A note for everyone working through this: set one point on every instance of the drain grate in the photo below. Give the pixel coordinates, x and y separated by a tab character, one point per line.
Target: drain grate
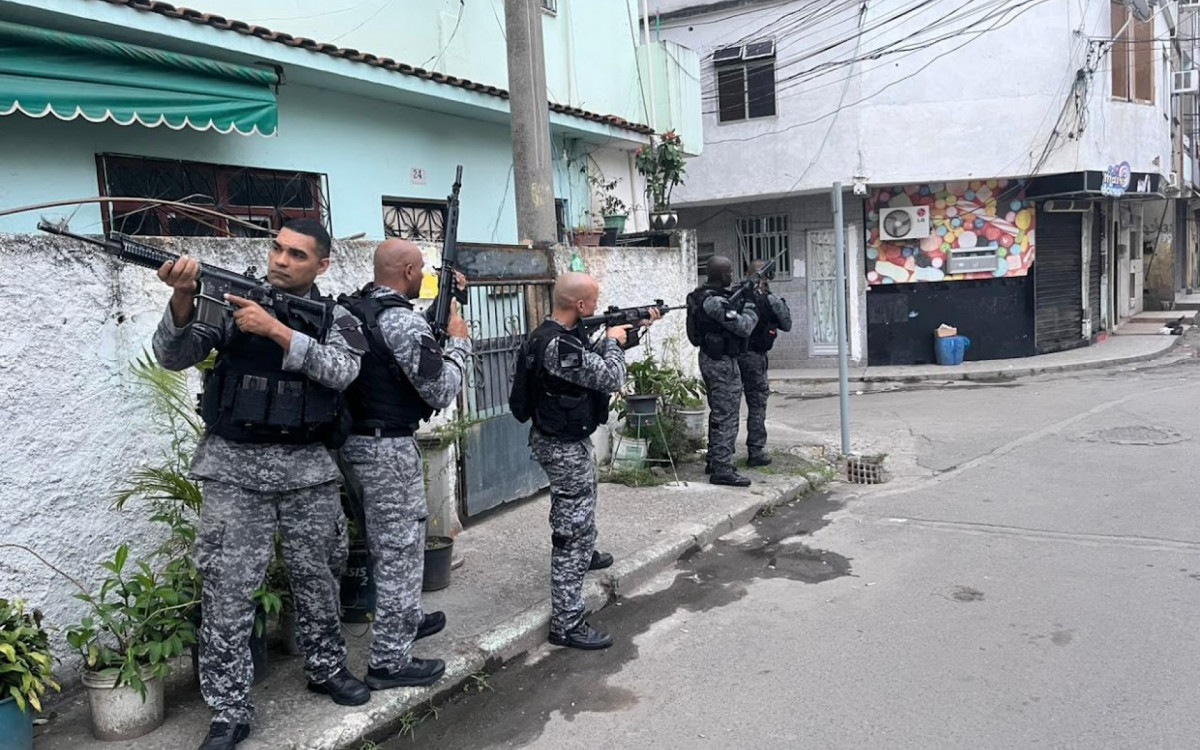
865	469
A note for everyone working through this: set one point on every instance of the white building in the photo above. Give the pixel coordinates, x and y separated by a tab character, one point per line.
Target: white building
975	123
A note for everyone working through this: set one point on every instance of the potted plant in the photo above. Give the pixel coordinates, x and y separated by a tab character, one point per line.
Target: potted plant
661	164
135	625
612	208
586	235
26	672
630	446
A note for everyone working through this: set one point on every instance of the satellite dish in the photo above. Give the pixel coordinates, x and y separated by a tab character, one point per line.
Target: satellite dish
1140	8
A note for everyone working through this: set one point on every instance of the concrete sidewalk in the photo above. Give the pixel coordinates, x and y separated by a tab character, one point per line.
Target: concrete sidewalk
497	605
1116	350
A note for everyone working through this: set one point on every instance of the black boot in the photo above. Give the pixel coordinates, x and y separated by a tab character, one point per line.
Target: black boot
419	673
224	736
730	478
344	688
758	459
600	560
431	624
584	637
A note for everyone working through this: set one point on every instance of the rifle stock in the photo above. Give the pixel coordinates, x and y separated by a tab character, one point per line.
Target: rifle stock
215	282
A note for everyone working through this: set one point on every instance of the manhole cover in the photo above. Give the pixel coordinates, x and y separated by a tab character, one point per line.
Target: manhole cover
1136	435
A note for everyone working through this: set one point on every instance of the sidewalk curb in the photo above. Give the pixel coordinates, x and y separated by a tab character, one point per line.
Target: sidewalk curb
1008	372
526	630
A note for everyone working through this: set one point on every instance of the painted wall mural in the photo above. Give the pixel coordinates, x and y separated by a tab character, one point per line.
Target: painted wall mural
951	231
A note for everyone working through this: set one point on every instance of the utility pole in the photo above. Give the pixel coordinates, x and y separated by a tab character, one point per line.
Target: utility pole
530	116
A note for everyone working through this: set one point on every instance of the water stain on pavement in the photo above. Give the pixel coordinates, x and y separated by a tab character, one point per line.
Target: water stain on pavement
568	682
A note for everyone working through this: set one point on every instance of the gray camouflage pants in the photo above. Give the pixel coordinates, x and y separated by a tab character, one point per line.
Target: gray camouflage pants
753	368
393	480
723	382
572	473
236	539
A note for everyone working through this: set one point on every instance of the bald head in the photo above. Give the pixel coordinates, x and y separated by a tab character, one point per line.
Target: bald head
574	296
399	265
720	271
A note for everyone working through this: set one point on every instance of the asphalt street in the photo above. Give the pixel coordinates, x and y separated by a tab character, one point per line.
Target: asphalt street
1029	577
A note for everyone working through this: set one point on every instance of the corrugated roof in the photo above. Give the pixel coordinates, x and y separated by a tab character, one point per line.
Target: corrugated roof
366	58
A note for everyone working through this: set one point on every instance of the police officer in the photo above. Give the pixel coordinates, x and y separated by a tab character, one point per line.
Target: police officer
773	316
405	376
722	331
270	405
571	383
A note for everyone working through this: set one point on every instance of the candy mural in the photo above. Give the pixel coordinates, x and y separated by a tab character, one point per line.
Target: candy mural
973	215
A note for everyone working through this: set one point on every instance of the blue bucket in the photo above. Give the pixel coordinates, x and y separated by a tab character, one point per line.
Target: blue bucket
950	350
16	726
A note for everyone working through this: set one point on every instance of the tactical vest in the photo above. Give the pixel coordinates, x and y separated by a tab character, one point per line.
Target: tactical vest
562	409
249	398
715	340
762	338
382	400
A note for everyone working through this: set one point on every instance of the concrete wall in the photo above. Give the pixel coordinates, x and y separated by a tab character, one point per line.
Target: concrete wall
76	421
952	108
632	276
718	226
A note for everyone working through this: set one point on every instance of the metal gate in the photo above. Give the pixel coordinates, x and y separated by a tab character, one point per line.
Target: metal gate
496	466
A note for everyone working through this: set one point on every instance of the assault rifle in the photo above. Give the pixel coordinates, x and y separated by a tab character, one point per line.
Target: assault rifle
753	280
620	316
214	282
439	313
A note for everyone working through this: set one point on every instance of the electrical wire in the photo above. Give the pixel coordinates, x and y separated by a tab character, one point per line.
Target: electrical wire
462	6
1000	22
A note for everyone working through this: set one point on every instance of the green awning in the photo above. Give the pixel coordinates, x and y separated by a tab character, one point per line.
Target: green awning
45	72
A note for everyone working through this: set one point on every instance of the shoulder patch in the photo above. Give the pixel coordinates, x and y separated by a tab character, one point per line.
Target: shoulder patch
431	362
570	354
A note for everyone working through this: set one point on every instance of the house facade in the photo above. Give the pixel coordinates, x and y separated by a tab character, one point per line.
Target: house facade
1010	170
369	123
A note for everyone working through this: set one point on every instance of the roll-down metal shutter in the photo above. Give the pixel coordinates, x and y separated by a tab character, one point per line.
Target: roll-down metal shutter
1058	281
1096	267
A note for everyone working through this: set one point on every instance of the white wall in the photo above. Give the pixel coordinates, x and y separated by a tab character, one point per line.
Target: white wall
636	276
966	106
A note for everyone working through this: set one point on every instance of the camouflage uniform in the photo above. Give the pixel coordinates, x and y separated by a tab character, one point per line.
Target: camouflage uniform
250	490
392	475
723	383
753	367
571	467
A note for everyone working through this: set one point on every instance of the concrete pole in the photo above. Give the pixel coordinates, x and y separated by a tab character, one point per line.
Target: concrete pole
839	245
651	57
530	116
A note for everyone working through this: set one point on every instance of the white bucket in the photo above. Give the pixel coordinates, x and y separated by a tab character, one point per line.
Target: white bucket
629	453
120	713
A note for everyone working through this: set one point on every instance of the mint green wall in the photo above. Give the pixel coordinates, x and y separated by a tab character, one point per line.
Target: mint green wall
589	48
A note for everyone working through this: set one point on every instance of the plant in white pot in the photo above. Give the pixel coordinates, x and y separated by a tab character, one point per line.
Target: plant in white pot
661	163
26	672
136	623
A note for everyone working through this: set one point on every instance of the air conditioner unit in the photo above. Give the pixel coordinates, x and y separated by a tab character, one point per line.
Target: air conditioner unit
904	223
1186	82
1063	207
